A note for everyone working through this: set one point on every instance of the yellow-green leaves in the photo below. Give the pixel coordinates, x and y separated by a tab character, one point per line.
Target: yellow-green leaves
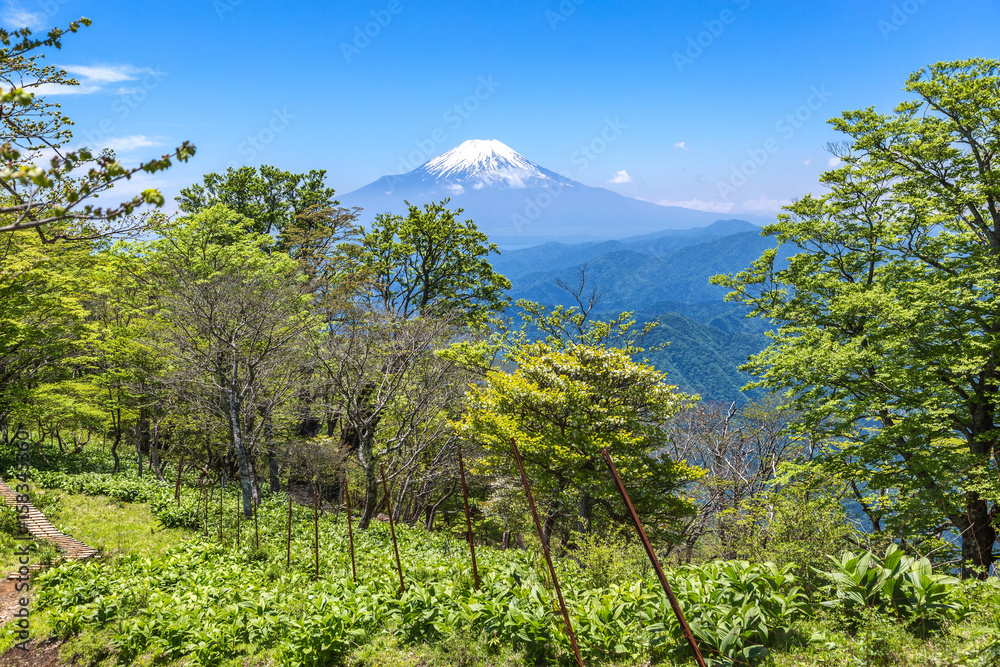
563	405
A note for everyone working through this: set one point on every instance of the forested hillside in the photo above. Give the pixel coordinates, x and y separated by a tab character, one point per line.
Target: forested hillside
663	278
277	436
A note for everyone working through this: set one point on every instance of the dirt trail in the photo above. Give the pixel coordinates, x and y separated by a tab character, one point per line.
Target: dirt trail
38	655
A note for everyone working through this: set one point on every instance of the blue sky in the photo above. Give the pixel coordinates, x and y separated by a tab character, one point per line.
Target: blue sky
721	105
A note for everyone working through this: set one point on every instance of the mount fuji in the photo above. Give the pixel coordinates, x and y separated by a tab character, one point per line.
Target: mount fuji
519	203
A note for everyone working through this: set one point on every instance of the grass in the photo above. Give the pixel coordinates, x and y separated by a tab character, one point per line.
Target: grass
882	642
113	527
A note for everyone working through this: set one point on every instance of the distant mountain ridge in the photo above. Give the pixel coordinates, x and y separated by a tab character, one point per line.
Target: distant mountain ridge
634	274
662	277
518	202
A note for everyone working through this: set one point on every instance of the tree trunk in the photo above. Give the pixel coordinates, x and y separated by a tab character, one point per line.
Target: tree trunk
550	522
978	537
141	437
236	430
177	487
585	518
114	449
154	452
976	522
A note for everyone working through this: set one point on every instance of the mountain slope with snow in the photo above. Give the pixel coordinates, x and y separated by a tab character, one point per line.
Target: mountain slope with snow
518	202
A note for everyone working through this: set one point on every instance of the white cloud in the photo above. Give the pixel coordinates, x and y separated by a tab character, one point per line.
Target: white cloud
130	143
834	161
621	177
699	205
681	145
56	89
808	160
14	16
93	78
764	204
105	73
454	189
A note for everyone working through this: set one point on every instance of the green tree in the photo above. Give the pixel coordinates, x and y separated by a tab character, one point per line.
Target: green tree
232	320
393	397
431	262
272	200
562	405
889	315
43	317
126	365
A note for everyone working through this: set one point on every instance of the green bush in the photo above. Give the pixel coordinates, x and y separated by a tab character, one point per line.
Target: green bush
897	585
607	559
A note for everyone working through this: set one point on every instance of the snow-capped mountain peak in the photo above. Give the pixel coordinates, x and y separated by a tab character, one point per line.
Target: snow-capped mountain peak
509	196
482	162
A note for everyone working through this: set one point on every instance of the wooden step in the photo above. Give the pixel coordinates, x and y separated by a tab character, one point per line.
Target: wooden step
40	527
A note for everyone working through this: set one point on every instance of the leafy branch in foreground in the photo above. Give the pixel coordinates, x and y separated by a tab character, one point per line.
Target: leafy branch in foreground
33	194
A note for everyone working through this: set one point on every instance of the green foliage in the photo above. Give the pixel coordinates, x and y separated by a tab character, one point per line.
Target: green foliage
207	603
793	524
608	558
897	584
9	524
270	200
431	263
739	611
43	327
562	405
888	314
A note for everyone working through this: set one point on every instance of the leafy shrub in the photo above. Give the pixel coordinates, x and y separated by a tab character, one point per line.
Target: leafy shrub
897	585
797	523
740	611
9	524
608	559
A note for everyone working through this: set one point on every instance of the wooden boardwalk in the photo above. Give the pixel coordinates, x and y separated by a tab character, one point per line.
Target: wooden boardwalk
41	529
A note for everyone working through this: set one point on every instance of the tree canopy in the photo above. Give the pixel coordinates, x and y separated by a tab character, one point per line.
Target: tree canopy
889	315
562	406
431	262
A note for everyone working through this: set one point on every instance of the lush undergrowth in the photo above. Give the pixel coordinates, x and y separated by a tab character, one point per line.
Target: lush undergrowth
201	602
